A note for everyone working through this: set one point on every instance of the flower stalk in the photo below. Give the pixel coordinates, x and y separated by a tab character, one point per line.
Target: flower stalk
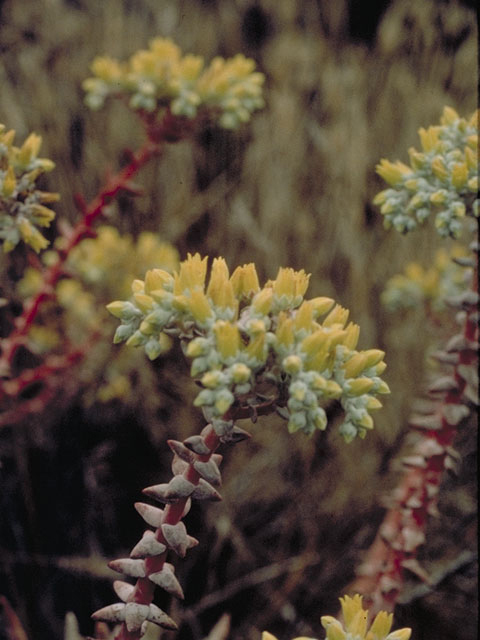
91	212
196	476
394	550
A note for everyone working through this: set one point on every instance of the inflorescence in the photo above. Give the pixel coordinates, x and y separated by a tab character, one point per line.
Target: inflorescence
249	343
432	285
22	204
160	78
442	178
355	626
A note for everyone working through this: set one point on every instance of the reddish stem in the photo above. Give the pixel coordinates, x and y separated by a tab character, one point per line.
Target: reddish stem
395	547
91	212
144	588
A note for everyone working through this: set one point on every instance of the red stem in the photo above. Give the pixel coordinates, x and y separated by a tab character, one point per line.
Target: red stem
381	577
83	229
144	588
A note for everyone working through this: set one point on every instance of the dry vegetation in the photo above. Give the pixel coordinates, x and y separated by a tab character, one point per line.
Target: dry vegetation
293	188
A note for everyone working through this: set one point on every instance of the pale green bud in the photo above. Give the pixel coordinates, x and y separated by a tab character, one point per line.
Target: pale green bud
292	364
212	379
359	386
197	347
223	401
348	431
240	372
137	339
297	421
206	397
122	333
153	348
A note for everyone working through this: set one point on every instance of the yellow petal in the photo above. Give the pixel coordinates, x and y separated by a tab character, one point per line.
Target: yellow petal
262	302
338	315
400	634
353	333
9	183
356	364
156	279
358	626
199	306
359	386
284	332
392	172
381	625
333	627
227	337
459	175
350	608
192	274
245	281
429	138
449	116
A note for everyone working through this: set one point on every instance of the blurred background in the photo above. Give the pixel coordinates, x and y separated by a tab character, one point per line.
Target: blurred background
347	83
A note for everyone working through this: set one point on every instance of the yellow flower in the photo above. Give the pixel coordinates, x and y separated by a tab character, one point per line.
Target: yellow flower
353	333
276	338
449	116
471	157
304	316
284	333
245	281
355	623
9	183
29	150
256	348
362	360
318	348
192	274
161	76
321	305
268	636
199	306
262	301
156	279
337	316
429	138
22	204
227	338
143	302
459	175
42	215
392	172
31	235
439	168
290	283
417	159
220	289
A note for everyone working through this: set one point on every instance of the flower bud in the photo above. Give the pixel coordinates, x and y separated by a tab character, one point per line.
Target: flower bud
292	364
359	386
240	372
157	279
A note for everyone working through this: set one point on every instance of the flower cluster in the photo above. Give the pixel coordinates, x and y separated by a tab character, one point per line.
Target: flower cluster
249	343
355	625
100	268
161	77
443	177
433	285
108	261
22	204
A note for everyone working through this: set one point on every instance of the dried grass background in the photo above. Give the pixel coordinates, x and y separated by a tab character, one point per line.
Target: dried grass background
347	83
